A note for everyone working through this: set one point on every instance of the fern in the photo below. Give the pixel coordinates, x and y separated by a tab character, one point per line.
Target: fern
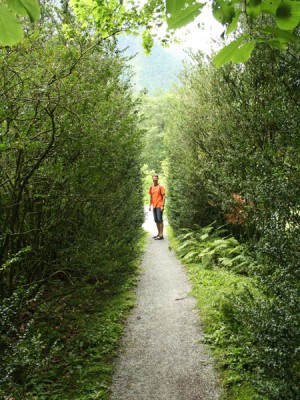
211	247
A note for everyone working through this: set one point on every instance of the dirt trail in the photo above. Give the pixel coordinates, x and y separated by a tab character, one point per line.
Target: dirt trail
161	357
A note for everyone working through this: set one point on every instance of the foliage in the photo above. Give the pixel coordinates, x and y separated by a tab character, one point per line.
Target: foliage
28	353
253	333
180	13
208	247
113	17
11	31
233	154
286	16
63	341
270	326
153	122
68	139
154	111
129	16
70	193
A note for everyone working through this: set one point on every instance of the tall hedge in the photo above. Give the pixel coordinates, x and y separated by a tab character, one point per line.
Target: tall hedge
70	195
233	147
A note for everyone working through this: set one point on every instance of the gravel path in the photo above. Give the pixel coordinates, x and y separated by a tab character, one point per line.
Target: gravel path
161	357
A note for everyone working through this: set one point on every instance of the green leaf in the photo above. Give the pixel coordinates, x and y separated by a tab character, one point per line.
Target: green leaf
277	44
288	14
243	53
147	41
232	26
253	8
269	7
26	8
226	53
223	11
280	34
11	31
235	52
182	12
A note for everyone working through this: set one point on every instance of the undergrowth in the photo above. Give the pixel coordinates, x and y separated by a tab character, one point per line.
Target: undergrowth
218	267
63	340
211	246
250	318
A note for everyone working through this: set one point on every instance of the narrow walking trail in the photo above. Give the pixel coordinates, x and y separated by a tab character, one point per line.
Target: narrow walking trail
161	357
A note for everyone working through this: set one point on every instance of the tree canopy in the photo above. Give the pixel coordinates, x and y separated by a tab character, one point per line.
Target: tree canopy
130	16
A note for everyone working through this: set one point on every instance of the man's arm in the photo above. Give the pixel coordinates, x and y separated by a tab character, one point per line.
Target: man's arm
149	191
164	199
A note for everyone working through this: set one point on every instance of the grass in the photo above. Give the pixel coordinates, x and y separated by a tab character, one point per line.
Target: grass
212	287
79	327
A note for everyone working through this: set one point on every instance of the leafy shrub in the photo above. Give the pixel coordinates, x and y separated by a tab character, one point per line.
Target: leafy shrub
233	148
22	347
209	246
258	332
71	185
270	328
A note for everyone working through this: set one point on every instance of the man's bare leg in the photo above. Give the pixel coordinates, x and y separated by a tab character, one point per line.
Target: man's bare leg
161	229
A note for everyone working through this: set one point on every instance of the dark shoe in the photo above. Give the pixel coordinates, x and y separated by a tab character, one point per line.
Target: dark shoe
159	238
154	237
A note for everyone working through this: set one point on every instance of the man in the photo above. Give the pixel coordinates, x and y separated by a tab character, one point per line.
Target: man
157	200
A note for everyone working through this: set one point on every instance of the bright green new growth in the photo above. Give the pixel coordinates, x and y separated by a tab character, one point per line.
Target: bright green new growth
181	12
11	31
210	247
285	14
113	17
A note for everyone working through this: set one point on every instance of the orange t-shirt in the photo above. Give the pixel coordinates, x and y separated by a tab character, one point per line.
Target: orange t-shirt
157	192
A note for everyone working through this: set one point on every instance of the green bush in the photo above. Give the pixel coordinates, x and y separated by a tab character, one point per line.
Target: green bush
71	194
233	158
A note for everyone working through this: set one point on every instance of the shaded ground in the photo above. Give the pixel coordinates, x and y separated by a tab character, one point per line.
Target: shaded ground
161	357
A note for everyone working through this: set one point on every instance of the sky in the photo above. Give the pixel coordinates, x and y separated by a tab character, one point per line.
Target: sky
204	38
147	71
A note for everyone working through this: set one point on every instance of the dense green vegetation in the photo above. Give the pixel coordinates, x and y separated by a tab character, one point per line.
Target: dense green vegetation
71	205
154	111
64	340
214	264
233	150
111	18
73	140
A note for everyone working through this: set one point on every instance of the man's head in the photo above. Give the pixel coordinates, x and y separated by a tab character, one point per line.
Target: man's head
155	178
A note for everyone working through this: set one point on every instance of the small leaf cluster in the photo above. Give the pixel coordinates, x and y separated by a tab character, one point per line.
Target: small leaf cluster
11	31
231	13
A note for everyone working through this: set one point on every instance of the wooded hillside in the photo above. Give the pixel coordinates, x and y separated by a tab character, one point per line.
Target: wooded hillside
155	72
